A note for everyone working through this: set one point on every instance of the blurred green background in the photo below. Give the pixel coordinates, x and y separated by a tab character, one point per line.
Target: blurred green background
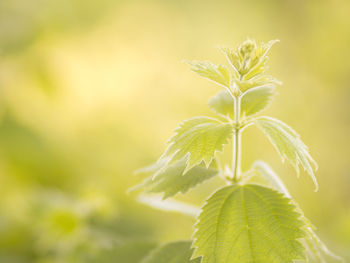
91	90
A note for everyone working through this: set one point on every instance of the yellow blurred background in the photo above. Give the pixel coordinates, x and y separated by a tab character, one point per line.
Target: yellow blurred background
91	90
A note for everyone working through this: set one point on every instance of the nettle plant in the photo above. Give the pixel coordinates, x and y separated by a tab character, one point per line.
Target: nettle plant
241	222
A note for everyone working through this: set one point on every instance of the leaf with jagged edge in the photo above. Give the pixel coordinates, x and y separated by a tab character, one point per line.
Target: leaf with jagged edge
217	73
248	223
316	250
288	144
174	252
198	139
257	99
172	179
253	101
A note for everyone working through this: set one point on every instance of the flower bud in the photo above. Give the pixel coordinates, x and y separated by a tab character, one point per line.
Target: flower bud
247	49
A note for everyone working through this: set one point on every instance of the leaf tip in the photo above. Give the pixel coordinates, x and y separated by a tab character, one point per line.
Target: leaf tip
316	186
132	189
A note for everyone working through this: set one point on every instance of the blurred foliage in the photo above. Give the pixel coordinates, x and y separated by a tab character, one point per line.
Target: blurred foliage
91	90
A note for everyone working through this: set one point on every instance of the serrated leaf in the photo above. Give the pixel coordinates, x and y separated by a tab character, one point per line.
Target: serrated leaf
172	179
253	101
248	223
316	250
256	99
175	252
217	73
288	144
198	139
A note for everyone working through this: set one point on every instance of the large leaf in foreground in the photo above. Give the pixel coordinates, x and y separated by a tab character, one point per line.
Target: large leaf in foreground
316	250
288	144
248	223
172	179
198	139
175	252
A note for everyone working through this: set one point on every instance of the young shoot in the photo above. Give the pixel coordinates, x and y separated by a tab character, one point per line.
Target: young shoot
242	221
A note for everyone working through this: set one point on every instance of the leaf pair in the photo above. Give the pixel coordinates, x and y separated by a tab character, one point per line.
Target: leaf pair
191	151
252	102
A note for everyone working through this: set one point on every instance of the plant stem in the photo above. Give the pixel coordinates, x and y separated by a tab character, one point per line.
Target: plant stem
236	155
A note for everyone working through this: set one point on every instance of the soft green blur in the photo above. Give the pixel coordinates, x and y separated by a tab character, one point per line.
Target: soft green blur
91	90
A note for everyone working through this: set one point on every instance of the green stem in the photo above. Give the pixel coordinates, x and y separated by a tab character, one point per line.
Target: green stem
236	156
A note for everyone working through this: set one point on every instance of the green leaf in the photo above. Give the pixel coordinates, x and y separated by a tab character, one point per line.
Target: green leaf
253	101
258	60
233	60
217	73
288	144
222	104
172	179
249	60
316	250
248	223
175	252
258	81
256	99
198	139
249	64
